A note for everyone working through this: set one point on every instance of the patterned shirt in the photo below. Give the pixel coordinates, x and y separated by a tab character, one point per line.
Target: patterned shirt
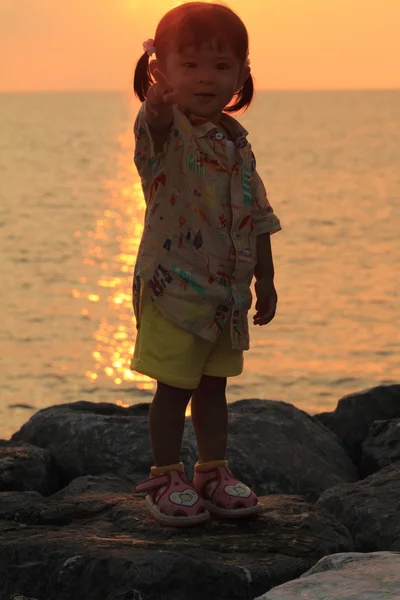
205	207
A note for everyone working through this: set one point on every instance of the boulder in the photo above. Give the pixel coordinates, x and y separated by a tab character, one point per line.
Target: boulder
370	509
94	483
102	545
87	438
24	467
273	446
346	576
19	597
280	449
381	447
355	414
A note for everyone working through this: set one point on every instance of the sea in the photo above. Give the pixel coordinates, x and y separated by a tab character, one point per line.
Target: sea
71	218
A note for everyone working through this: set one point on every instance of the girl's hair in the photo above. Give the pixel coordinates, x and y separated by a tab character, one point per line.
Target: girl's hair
194	24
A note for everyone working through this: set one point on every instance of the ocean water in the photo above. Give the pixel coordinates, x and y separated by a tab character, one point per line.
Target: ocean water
71	213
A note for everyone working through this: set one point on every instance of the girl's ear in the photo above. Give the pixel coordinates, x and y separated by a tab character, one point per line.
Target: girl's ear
244	75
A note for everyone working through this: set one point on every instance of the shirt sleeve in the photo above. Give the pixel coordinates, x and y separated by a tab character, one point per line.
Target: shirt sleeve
145	156
263	216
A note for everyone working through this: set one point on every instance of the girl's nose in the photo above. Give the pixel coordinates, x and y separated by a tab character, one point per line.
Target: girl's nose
205	76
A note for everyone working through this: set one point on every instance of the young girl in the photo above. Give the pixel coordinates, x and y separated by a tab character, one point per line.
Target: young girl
206	234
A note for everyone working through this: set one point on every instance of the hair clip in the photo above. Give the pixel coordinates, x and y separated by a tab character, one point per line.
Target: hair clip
149	47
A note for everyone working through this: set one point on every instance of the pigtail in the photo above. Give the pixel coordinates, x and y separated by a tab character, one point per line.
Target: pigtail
142	80
243	97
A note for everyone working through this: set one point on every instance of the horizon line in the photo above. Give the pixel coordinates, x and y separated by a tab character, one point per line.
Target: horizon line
121	90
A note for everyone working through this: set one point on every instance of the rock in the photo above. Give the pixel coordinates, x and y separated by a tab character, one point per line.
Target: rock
279	449
95	483
19	597
370	509
24	467
103	546
20	507
87	438
345	576
273	446
381	447
355	414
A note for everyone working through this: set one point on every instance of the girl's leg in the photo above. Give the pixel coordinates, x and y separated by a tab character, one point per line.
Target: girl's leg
167	422
210	418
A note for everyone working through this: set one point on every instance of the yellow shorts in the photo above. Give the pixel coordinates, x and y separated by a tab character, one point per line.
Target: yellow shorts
178	357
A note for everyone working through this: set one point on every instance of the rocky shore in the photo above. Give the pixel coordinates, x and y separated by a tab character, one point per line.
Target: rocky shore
70	528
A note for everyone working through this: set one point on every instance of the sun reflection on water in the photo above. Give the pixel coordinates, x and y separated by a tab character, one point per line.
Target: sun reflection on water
110	252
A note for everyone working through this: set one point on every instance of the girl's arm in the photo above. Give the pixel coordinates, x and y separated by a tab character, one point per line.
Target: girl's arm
265	265
159	113
267	297
265	223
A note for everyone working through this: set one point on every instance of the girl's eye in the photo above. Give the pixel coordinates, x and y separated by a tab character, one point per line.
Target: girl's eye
223	66
190	65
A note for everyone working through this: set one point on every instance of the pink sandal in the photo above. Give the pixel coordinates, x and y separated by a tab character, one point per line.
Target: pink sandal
224	496
172	500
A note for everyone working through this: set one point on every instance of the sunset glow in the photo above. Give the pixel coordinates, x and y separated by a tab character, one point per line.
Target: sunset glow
90	45
108	299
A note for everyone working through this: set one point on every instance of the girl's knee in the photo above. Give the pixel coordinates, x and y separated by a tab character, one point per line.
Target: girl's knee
212	385
171	393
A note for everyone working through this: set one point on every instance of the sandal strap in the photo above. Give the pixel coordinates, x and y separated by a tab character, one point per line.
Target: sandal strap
209	482
152	484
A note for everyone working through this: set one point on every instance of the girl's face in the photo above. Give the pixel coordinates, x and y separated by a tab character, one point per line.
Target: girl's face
204	79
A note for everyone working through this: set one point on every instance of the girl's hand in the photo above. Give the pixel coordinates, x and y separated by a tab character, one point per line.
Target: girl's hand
160	95
267	299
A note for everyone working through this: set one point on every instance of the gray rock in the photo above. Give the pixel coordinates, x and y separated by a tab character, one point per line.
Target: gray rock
280	449
103	546
381	447
94	483
24	467
347	576
19	597
355	414
370	509
87	438
273	446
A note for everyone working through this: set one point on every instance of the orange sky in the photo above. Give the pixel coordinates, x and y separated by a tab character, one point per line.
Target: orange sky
295	44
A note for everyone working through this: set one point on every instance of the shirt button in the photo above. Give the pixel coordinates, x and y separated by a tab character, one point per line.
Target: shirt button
219	136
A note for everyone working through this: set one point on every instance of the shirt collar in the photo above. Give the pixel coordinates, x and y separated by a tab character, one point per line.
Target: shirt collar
204	128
